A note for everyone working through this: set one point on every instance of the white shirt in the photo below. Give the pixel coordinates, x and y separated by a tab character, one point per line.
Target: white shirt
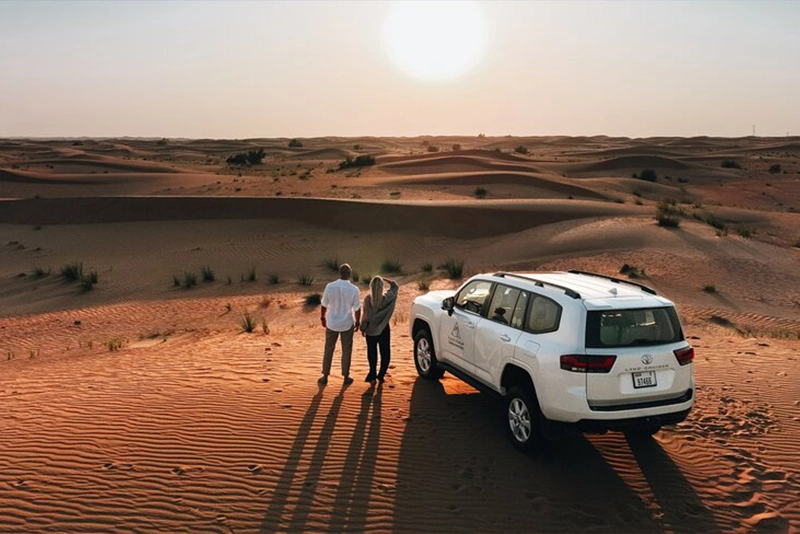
341	299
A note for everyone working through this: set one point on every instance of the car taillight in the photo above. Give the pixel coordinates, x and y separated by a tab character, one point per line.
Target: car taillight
583	363
684	355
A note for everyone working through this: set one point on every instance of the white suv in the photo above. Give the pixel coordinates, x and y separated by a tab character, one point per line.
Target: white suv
565	349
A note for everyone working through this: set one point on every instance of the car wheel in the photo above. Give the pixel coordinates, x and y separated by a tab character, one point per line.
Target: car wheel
425	356
523	419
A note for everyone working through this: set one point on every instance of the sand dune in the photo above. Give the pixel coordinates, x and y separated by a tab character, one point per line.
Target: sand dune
629	162
541	184
488	217
451	163
141	405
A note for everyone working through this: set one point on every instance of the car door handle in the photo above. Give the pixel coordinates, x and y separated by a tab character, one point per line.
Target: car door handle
469	324
505	337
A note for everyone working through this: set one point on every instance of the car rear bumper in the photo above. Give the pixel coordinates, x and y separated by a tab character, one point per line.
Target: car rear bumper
557	429
595	425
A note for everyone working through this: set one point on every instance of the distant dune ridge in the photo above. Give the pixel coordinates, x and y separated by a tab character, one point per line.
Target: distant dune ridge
140	404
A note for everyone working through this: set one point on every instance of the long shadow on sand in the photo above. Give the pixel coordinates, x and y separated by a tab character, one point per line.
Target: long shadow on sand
457	472
349	511
683	511
276	509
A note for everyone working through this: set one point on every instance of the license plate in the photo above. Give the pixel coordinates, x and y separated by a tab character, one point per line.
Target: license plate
645	379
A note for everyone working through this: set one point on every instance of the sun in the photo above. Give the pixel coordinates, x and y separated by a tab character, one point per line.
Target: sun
435	41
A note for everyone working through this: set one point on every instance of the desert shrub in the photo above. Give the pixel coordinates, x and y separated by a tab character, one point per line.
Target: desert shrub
454	268
363	160
456	147
631	270
39	272
254	157
305	279
274	279
521	150
237	159
391	266
667	221
247	322
708	288
87	282
77	143
72	271
714	221
331	264
295	143
366	279
355	276
162	141
114	344
427	267
683	180
189	279
251	274
176	281
638	202
746	233
356	147
648	175
775	168
730	164
433	148
314	299
207	273
251	157
481	192
423	285
668	214
619	200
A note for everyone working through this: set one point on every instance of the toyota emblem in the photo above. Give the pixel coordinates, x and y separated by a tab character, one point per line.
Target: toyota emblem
647	359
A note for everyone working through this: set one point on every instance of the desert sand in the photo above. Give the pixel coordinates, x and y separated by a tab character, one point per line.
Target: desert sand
141	405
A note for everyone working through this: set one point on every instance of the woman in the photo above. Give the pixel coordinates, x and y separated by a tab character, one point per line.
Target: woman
377	311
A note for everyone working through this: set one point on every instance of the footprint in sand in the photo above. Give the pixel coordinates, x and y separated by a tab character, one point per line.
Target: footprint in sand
178	471
109	465
255	468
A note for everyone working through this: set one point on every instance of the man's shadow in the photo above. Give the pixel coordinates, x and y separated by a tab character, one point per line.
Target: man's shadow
276	509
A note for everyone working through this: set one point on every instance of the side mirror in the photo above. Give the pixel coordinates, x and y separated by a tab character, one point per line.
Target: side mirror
448	304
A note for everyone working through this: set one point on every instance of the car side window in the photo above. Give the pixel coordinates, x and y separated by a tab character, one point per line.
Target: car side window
545	315
518	317
473	296
503	303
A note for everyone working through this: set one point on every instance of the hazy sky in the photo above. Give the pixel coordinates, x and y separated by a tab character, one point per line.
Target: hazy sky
304	69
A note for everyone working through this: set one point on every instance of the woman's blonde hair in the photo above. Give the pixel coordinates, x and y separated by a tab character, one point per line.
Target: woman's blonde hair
376	292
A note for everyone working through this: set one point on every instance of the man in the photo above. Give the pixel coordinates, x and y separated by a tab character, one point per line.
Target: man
339	301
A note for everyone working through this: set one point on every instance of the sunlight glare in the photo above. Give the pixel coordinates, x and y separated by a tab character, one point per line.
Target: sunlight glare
436	40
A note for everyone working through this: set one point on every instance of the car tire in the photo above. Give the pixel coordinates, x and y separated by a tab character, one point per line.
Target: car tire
523	419
425	356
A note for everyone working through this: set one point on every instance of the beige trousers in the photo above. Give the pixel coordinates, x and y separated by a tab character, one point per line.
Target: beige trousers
330	344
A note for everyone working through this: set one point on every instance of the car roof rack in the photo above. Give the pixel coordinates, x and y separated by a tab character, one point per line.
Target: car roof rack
540	283
643	287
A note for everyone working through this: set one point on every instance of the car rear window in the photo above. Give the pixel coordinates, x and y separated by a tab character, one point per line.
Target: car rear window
630	328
